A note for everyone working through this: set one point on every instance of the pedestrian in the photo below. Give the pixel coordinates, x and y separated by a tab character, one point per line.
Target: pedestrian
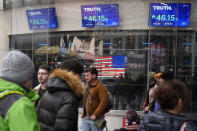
173	97
165	76
43	75
57	110
148	104
16	109
95	101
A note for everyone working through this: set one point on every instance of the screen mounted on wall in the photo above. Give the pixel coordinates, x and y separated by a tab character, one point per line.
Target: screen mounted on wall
169	14
42	18
100	15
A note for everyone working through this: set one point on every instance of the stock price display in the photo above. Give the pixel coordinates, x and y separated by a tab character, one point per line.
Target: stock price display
169	14
100	15
95	18
38	22
42	18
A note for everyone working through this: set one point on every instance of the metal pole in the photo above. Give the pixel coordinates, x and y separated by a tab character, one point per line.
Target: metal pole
148	61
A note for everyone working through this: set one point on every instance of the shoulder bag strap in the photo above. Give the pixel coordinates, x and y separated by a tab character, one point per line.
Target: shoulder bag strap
7	98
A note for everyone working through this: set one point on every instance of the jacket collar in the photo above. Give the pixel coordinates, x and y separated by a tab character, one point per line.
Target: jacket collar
7	85
70	78
94	83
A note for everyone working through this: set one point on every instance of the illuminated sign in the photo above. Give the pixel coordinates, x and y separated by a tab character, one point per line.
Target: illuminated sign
186	43
169	14
42	18
146	43
100	15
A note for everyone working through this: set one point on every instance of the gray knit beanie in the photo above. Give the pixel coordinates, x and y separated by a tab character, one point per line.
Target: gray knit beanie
16	67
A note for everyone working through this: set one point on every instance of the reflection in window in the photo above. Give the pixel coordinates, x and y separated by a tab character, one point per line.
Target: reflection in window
128	88
21	3
30	2
47	1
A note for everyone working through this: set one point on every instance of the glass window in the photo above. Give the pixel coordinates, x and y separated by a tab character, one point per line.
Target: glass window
21	3
47	1
133	51
31	2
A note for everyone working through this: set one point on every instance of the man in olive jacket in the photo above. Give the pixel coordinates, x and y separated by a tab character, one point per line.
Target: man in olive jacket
16	109
95	101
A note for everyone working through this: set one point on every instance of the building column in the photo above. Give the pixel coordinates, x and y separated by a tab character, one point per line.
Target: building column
4	38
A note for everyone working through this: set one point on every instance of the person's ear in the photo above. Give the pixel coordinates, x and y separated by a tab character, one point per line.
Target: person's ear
180	104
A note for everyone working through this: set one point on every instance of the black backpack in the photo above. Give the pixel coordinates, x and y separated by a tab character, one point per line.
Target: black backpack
110	104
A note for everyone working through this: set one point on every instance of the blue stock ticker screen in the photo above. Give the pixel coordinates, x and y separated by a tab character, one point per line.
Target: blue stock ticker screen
169	14
100	15
42	18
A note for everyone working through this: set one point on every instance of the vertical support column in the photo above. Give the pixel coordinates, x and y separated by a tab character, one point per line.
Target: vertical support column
1	5
148	61
137	42
4	39
193	53
193	67
175	52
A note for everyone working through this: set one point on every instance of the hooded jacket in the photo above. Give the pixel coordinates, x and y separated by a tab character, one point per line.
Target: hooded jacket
37	88
57	110
165	121
16	109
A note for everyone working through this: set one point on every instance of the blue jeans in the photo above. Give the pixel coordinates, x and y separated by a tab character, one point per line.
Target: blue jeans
88	125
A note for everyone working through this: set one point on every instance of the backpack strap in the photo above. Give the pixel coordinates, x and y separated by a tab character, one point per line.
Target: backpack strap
97	98
7	98
3	94
94	97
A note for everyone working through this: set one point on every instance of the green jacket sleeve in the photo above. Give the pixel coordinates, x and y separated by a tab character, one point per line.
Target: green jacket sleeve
22	116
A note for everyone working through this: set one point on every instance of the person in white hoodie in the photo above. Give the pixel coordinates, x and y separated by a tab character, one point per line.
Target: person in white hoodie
43	76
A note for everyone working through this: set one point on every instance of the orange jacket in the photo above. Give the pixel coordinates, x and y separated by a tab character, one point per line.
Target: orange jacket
99	99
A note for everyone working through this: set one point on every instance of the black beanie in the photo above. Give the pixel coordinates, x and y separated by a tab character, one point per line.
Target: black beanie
167	75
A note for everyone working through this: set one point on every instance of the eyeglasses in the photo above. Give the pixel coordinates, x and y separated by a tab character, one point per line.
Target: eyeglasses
42	73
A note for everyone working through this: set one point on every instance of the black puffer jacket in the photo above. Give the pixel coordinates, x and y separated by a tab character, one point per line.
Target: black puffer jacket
58	108
164	121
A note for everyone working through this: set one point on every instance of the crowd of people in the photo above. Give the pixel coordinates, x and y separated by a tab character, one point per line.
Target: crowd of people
53	104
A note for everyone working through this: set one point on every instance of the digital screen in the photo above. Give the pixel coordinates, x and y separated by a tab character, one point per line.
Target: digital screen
100	15
169	14
42	18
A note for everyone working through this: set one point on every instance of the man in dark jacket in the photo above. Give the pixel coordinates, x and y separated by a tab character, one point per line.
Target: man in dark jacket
173	97
16	96
57	110
148	105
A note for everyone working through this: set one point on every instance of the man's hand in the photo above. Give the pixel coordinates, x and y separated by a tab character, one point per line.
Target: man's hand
92	117
147	109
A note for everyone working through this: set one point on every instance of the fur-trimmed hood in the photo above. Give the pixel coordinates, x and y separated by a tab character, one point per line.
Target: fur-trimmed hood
61	79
